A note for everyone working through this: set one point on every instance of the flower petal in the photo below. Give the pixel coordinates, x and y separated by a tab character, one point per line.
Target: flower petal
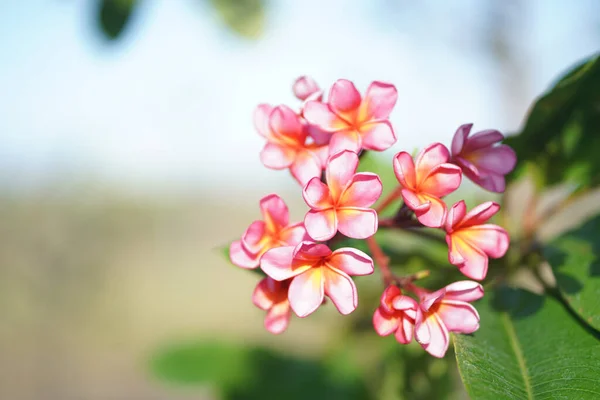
304	86
414	202
316	194
345	140
482	139
311	252
377	135
435	215
442	180
472	262
404	169
466	291
275	213
253	239
263	297
404	303
493	240
439	339
387	298
321	225
460	137
499	159
351	261
306	292
379	101
340	288
492	182
340	170
343	97
479	215
306	166
357	223
277	156
277	263
320	114
404	334
364	190
241	257
455	215
430	157
458	316
385	323
261	120
293	234
286	125
422	332
278	318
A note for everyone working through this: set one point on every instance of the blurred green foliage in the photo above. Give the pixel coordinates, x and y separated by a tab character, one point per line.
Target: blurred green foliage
114	15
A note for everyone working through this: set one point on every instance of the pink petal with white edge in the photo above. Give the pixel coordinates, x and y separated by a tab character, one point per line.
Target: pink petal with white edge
483	139
340	288
404	169
414	202
378	135
404	303
306	292
320	114
304	86
466	291
242	258
357	223
458	316
277	263
384	323
316	194
471	261
306	166
387	298
340	170
493	240
437	336
275	212
345	140
261	120
404	334
455	215
276	156
351	261
427	300
293	234
442	180
479	215
278	318
311	251
363	191
379	101
321	225
435	215
430	157
460	137
263	294
286	125
344	97
252	238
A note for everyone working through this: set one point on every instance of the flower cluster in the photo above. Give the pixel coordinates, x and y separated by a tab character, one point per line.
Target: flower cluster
321	143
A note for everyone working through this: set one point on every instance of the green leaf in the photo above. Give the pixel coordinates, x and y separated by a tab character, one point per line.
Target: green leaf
114	15
574	258
528	347
244	17
561	137
242	372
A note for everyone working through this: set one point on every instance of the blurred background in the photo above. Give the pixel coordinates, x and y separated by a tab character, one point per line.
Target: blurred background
128	159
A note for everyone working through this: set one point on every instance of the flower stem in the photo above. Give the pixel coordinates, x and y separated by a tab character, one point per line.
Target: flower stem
381	260
389	199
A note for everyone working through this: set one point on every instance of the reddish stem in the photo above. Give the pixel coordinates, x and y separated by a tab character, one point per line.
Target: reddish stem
381	260
389	199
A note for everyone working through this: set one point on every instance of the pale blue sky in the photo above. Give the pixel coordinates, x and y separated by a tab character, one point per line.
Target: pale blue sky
171	103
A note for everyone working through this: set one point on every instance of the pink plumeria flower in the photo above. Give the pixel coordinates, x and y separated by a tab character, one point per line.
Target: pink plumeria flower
480	159
425	181
272	297
273	231
305	87
316	272
446	310
356	123
343	203
396	314
471	240
288	144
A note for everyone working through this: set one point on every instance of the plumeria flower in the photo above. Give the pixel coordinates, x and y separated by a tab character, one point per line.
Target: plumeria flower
356	123
446	310
288	144
272	296
425	181
273	231
343	203
316	272
305	88
471	240
396	314
482	161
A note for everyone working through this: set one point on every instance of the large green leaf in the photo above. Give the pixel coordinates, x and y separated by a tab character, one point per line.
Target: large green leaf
561	138
114	15
528	347
575	259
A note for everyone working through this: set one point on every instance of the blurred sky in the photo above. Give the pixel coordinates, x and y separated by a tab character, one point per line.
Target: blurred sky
170	104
